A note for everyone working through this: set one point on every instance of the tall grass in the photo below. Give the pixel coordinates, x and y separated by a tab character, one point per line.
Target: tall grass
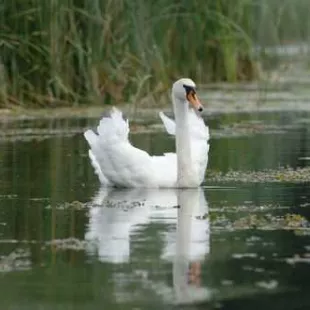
71	52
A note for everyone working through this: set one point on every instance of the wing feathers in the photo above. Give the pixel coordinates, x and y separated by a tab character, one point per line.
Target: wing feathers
168	123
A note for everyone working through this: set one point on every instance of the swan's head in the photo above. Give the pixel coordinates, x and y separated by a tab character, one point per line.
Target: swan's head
185	91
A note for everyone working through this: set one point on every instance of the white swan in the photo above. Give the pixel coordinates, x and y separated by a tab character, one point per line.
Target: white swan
118	163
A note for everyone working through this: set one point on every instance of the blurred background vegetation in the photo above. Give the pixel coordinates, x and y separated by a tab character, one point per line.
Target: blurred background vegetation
73	52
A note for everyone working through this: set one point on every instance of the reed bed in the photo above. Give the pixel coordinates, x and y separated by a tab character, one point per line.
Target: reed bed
74	52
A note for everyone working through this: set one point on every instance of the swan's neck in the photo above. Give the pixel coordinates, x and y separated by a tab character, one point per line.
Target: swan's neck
183	146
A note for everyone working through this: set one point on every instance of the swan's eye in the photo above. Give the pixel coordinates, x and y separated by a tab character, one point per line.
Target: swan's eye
189	90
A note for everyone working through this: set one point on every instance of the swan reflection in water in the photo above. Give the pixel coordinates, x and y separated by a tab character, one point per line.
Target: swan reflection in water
118	213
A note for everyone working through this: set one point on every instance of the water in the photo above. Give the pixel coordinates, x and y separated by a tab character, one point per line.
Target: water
66	243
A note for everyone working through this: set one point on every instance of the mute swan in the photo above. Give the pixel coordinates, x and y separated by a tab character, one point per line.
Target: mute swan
118	163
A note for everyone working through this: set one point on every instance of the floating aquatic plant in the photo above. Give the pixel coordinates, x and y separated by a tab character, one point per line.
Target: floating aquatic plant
289	175
260	221
17	260
68	244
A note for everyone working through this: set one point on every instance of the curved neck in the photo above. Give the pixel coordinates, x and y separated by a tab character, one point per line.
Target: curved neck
183	147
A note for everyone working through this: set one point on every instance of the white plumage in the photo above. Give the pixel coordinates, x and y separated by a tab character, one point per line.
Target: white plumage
118	163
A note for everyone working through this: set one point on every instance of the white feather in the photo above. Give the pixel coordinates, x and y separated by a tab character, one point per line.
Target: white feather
168	123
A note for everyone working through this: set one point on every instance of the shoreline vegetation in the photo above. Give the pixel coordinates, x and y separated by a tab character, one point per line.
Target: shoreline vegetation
77	53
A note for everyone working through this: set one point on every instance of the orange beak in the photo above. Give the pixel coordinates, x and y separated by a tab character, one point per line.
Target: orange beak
194	101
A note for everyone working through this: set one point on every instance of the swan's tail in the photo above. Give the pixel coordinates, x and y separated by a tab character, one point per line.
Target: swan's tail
92	140
98	171
111	130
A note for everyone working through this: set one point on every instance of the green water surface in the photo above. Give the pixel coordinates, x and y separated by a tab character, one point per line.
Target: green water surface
66	243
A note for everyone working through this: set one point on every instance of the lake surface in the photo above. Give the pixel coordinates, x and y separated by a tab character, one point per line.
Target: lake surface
66	243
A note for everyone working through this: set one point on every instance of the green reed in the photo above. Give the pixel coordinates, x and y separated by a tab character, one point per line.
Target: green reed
71	52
